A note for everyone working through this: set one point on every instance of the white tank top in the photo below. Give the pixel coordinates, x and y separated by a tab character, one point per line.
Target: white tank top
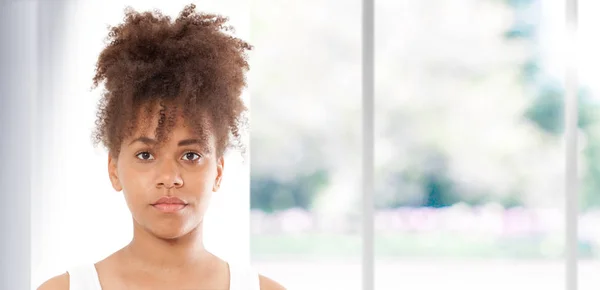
86	278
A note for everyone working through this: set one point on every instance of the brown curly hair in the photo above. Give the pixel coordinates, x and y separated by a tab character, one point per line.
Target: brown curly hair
190	67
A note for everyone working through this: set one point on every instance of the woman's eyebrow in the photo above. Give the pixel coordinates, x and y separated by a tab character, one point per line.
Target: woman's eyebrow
191	142
194	141
145	140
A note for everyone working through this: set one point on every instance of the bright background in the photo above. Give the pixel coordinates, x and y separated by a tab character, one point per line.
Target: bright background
79	218
469	160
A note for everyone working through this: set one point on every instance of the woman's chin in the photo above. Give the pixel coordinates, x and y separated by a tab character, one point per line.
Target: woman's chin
170	229
171	233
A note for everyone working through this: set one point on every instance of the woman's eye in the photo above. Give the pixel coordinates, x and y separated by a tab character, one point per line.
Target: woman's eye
145	156
191	156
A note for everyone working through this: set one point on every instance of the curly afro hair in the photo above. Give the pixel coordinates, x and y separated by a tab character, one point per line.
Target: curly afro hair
191	67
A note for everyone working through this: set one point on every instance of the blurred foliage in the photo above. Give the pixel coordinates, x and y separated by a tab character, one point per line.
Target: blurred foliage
547	110
590	191
270	194
477	121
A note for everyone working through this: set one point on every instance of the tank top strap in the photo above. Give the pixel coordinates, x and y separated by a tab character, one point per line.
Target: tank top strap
243	277
84	277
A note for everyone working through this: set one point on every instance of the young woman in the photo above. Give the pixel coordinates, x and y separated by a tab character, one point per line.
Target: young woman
170	109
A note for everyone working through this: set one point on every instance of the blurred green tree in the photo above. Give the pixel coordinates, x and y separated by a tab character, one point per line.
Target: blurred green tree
546	109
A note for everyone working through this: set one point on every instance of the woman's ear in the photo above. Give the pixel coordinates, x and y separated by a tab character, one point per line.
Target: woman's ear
220	166
113	172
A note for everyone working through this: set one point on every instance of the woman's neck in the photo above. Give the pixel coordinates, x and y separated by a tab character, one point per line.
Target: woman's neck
153	253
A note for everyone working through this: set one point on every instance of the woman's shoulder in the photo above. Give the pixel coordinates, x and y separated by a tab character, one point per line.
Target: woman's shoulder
244	274
60	282
269	284
83	276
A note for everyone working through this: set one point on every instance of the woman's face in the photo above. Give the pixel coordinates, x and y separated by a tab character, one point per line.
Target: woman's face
167	189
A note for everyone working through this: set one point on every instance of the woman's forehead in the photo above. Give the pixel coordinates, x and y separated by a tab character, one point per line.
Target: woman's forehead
170	122
177	130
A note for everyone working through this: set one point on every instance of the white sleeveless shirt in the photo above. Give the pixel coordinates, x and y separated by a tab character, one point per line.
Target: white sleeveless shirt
86	278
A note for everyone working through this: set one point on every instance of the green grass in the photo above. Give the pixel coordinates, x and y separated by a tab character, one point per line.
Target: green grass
410	245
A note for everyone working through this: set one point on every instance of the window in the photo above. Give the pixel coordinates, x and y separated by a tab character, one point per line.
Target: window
470	145
306	137
589	96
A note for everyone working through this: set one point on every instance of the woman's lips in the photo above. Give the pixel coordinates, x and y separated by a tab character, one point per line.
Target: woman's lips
169	204
169	207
